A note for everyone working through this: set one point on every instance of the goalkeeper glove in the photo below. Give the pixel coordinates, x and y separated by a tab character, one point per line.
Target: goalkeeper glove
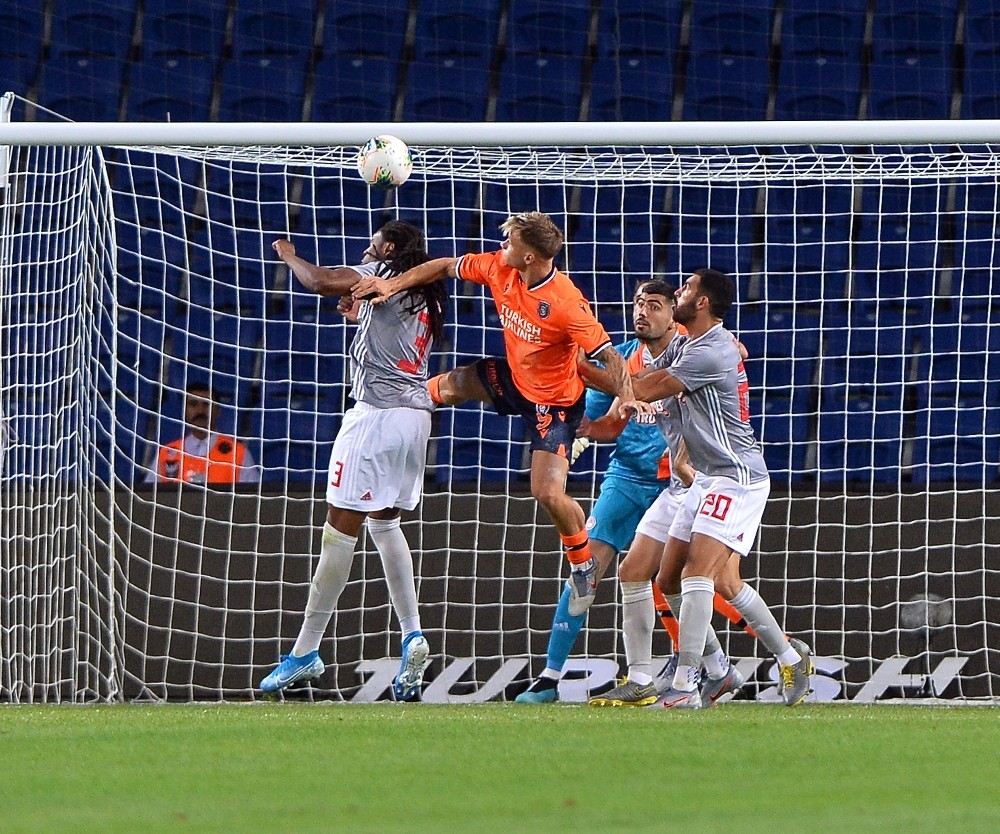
579	445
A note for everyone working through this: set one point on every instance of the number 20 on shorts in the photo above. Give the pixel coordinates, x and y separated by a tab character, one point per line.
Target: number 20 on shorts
715	506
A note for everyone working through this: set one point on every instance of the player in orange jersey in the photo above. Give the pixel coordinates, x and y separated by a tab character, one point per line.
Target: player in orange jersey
546	320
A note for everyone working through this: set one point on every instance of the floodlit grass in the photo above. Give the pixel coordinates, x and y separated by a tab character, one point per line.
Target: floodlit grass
338	767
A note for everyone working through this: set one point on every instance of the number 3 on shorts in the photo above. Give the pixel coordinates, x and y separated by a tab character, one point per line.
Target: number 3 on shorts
715	506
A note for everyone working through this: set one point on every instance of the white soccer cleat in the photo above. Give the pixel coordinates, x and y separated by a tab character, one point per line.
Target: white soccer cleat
406	686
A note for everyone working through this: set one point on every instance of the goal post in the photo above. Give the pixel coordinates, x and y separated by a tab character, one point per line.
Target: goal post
136	262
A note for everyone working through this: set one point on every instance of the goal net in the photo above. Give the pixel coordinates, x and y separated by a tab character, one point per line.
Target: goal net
128	274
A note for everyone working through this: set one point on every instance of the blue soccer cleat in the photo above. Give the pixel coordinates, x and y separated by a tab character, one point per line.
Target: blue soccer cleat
407	684
542	691
291	670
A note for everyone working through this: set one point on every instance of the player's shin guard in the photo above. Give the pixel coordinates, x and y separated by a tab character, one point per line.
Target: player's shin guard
397	564
565	628
328	583
637	630
696	614
577	547
759	617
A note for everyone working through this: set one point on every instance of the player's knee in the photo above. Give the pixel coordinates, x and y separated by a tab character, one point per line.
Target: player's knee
627	572
547	494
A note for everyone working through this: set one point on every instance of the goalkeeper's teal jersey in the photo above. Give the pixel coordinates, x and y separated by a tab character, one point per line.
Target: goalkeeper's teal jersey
640	453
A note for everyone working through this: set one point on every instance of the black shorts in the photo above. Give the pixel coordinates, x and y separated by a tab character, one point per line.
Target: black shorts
551	428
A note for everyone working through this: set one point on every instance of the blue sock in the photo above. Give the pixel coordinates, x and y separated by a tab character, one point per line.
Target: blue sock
565	628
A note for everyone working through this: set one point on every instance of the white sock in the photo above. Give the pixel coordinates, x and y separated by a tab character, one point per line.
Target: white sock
397	564
329	580
716	663
696	613
637	629
759	617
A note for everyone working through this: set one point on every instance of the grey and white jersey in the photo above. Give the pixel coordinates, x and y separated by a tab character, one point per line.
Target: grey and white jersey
390	352
712	414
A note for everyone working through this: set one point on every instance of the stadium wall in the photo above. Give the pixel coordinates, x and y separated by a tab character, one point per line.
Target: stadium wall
205	576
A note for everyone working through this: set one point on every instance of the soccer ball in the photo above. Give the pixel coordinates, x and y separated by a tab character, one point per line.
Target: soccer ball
385	161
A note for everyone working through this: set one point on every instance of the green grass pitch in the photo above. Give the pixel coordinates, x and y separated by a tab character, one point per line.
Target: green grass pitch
339	767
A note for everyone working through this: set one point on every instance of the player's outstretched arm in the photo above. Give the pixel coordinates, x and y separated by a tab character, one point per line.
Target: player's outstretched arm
319	279
655	384
680	464
380	290
606	428
617	370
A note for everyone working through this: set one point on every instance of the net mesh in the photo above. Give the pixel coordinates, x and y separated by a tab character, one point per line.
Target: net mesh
864	283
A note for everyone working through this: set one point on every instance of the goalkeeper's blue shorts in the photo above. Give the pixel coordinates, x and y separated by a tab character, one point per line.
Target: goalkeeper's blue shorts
618	510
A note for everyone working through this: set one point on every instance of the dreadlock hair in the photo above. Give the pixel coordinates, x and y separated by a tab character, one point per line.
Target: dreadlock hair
409	250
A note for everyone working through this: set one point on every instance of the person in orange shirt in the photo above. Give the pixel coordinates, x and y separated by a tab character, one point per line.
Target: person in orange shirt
202	456
546	321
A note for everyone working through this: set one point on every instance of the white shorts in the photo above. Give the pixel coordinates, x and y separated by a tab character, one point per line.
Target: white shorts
657	520
723	509
378	459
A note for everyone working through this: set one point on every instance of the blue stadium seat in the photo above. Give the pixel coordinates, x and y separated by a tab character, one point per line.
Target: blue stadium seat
711	227
638	29
84	89
262	90
176	29
981	78
374	28
811	29
479	445
92	28
912	90
545	28
537	88
862	432
721	27
808	230
722	87
276	28
448	90
355	88
178	90
632	88
818	88
448	30
21	50
906	29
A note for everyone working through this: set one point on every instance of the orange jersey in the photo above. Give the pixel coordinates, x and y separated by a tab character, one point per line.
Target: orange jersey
543	326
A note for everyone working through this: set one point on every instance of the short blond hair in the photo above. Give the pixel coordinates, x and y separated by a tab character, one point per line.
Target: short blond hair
537	231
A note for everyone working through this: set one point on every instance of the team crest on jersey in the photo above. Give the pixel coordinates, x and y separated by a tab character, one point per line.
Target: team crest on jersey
172	468
544	309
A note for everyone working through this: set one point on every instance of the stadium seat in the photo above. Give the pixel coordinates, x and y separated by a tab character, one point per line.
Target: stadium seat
812	29
445	30
544	28
372	28
907	29
632	88
262	89
355	88
85	89
712	226
638	29
981	76
721	87
537	88
92	28
912	90
737	30
862	432
176	29
20	52
177	90
277	28
815	87
448	90
808	230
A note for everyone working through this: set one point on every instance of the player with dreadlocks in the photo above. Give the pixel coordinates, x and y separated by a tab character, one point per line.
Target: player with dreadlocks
377	464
